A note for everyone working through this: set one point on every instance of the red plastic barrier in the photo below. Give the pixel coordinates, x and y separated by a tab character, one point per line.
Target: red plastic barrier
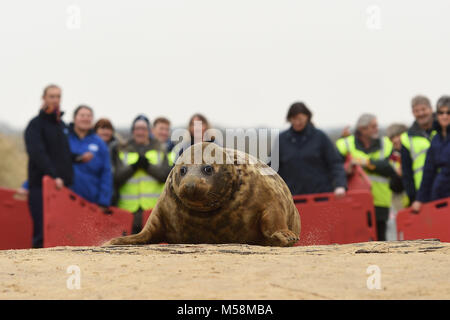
69	220
358	180
145	216
433	221
327	220
16	225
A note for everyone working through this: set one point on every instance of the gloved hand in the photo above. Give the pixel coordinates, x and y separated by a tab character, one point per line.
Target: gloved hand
143	162
135	165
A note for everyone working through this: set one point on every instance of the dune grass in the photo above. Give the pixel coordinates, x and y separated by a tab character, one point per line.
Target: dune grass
13	161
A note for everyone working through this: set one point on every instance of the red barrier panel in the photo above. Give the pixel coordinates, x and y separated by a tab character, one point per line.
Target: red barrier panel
358	180
69	220
16	225
145	216
327	220
433	221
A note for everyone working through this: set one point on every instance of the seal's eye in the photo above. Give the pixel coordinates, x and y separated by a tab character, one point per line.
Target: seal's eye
208	170
183	171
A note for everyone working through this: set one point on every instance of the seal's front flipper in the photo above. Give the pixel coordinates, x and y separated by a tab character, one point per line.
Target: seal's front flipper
140	238
275	229
283	238
152	232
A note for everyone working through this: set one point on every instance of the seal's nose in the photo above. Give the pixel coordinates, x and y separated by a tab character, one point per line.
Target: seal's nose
190	186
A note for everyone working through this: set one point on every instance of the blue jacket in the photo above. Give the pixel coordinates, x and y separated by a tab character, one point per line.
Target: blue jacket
436	173
92	180
309	162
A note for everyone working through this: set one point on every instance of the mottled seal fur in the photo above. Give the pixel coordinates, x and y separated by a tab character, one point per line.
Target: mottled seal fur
227	197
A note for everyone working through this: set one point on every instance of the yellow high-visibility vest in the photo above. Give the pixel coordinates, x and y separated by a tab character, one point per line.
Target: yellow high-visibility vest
417	147
141	190
381	192
171	156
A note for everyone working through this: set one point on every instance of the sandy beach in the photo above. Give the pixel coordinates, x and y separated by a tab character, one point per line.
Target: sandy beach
407	270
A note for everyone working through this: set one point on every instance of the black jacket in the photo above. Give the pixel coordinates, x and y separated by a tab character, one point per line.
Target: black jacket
48	150
309	162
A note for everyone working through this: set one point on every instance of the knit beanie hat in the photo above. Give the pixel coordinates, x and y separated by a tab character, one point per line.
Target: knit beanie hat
138	118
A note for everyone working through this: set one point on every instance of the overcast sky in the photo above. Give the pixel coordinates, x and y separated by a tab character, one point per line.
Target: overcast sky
240	62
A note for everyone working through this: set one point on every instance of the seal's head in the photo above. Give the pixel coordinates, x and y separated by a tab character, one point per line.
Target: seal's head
204	177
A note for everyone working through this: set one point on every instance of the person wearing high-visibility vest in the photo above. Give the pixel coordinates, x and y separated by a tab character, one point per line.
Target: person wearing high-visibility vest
370	151
399	197
436	173
415	143
161	132
142	167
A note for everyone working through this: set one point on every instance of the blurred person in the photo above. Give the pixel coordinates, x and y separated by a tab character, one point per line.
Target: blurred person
48	154
105	130
394	132
436	173
372	153
415	143
161	132
308	160
142	167
92	174
203	124
346	132
399	197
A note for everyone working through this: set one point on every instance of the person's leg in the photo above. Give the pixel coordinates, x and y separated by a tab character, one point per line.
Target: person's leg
381	215
137	222
391	226
36	208
381	230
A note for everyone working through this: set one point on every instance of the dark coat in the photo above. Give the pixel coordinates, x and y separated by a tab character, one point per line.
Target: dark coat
309	162
436	173
48	150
